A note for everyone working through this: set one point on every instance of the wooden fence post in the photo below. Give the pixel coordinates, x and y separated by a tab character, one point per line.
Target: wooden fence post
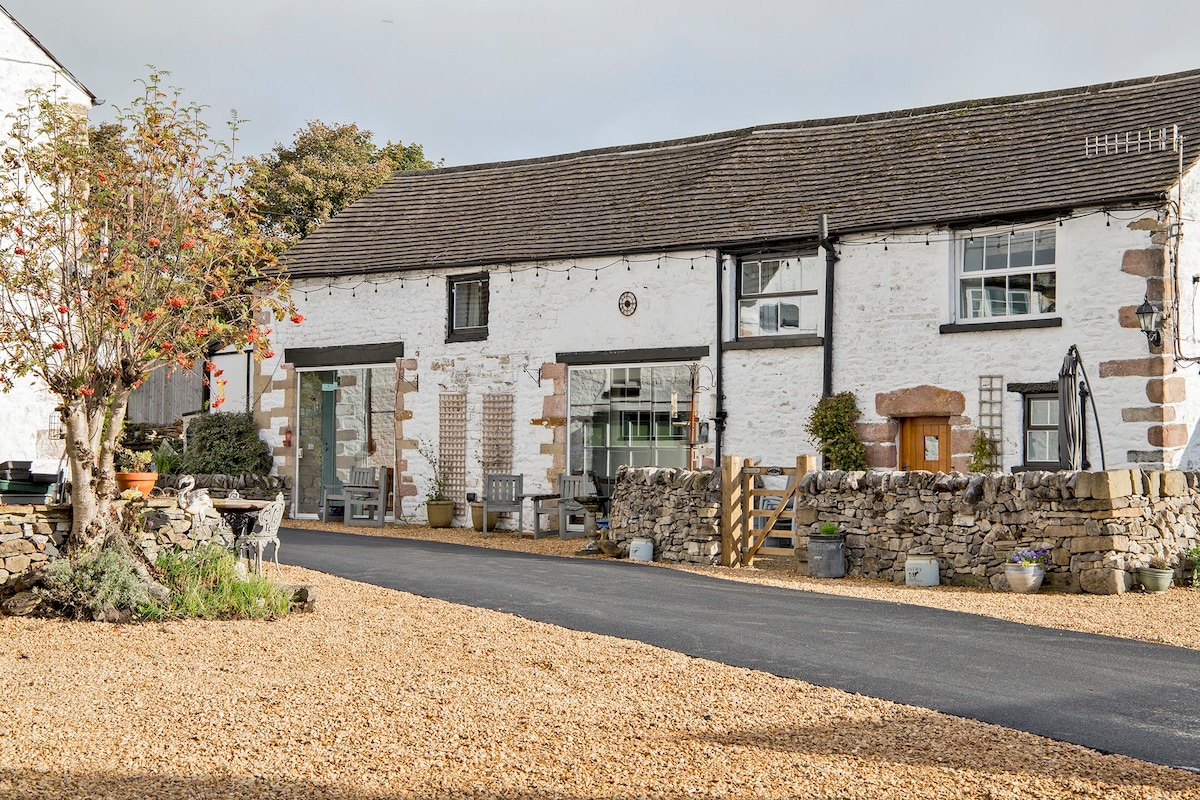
805	465
730	510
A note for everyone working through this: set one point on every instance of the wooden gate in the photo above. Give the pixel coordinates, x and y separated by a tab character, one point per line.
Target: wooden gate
754	500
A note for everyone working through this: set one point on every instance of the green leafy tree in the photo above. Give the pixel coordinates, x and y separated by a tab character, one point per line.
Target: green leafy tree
118	256
323	171
832	425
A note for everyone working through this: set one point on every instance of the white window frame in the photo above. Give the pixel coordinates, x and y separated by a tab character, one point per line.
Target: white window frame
1019	298
776	309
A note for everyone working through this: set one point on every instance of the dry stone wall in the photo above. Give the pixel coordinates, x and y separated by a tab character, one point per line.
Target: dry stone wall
1098	526
678	509
32	536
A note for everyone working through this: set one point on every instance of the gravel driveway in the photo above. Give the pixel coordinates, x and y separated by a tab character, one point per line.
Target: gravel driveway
381	694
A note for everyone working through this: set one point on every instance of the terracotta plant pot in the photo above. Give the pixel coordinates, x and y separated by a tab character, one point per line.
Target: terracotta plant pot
440	513
1024	580
142	481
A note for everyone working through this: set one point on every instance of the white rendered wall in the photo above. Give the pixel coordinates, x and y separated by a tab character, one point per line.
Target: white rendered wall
1187	249
25	411
888	310
891	303
533	315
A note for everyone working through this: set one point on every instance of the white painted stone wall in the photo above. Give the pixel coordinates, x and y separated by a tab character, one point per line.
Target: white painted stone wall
1187	248
532	316
889	305
25	411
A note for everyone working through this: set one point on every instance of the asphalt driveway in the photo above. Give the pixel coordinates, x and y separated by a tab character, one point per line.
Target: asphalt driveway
1110	694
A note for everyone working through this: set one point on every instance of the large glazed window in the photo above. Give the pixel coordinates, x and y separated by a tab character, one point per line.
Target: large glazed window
347	419
638	415
779	296
1007	274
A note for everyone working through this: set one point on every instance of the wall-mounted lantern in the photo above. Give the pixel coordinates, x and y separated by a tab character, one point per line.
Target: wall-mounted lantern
1150	318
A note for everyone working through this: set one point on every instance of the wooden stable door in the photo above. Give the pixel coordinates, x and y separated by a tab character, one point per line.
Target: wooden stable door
925	443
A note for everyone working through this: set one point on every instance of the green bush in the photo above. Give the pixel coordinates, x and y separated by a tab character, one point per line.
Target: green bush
832	425
83	587
206	583
225	444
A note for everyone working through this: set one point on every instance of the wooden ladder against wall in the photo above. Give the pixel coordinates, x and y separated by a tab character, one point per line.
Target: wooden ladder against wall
742	504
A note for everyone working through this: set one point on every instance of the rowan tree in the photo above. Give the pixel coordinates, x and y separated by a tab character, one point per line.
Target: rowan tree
136	251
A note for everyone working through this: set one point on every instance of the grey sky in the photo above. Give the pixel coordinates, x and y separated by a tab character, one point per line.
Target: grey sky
480	80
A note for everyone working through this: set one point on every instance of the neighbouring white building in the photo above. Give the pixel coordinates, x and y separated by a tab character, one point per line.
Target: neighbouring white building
671	302
26	411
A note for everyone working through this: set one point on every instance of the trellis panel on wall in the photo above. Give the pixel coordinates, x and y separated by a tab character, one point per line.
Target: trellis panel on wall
452	447
497	439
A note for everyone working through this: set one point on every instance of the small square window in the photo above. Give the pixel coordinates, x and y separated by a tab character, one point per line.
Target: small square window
1041	431
779	296
468	311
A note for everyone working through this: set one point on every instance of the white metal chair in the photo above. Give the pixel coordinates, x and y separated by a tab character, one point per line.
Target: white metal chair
335	493
265	532
503	493
570	487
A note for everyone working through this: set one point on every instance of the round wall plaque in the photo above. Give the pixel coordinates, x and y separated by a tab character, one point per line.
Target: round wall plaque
627	303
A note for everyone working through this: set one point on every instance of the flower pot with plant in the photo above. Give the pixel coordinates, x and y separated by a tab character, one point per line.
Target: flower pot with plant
826	552
134	471
1155	577
439	508
1026	569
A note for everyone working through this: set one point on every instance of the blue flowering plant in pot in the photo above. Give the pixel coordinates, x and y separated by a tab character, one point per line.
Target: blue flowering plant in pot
1026	569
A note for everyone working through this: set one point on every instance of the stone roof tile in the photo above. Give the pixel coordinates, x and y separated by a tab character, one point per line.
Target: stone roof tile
968	162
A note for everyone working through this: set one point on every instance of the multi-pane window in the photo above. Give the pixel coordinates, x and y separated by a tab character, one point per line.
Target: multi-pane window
1041	431
1007	274
779	296
468	307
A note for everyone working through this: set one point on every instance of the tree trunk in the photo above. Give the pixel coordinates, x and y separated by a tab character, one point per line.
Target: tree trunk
92	482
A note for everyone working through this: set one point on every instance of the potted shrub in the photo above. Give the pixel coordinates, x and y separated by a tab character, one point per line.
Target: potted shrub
1155	577
439	509
1026	569
826	552
132	470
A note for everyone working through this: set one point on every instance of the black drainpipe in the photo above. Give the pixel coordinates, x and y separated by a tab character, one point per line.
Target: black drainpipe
719	351
831	258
